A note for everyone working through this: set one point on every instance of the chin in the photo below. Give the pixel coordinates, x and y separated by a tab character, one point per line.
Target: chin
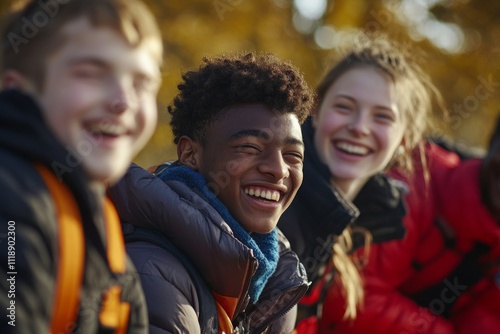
265	230
105	174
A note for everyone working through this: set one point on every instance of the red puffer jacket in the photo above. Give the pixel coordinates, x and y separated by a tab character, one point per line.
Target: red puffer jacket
440	278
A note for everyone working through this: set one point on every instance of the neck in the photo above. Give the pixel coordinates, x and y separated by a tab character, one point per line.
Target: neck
98	188
349	188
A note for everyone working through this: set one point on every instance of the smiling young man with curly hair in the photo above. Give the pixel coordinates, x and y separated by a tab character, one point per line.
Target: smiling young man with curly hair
236	123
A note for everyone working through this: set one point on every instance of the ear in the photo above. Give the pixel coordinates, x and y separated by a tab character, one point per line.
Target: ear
14	79
189	152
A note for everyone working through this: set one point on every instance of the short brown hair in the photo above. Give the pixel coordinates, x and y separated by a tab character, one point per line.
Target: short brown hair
32	33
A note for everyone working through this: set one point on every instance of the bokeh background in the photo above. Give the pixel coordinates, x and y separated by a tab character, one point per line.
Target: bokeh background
456	41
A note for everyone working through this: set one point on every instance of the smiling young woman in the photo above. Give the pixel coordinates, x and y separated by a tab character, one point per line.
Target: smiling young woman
372	110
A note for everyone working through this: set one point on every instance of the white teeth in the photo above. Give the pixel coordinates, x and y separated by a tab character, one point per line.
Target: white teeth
352	148
107	128
267	194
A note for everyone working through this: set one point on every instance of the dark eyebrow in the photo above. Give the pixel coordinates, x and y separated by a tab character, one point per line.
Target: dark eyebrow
294	141
263	135
250	133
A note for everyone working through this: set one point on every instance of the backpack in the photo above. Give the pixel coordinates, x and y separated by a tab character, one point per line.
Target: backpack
71	242
208	311
468	272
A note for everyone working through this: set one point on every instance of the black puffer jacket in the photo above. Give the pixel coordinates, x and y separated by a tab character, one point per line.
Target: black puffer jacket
226	264
317	214
26	201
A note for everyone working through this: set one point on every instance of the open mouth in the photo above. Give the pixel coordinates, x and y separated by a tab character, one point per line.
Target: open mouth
263	194
105	130
352	149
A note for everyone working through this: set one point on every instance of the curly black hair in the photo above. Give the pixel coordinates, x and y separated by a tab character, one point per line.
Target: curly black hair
224	81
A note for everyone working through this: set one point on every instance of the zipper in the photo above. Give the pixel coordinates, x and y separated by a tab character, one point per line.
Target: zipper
296	290
245	298
299	292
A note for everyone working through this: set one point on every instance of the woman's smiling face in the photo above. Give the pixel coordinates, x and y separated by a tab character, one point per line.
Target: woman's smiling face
358	127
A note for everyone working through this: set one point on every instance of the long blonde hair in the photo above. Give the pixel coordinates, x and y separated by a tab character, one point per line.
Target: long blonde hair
347	268
415	92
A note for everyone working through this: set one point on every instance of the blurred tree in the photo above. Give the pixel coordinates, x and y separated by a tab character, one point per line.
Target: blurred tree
460	44
460	40
470	78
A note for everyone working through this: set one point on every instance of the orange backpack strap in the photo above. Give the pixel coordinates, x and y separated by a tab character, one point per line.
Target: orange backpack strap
71	245
114	312
116	246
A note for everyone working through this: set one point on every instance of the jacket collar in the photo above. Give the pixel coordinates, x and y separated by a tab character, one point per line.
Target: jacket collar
264	246
317	194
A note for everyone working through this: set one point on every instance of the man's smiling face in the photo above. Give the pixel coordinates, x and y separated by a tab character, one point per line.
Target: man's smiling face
99	97
253	161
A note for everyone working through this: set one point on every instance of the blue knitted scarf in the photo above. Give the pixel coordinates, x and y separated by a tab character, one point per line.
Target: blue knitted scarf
264	246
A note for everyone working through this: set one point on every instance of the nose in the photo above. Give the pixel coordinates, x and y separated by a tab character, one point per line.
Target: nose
274	164
122	98
359	124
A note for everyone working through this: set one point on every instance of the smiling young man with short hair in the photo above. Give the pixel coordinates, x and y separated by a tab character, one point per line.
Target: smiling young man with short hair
78	102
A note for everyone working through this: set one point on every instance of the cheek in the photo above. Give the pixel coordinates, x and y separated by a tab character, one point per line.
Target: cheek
69	107
150	119
223	186
297	177
78	94
324	126
390	139
147	118
327	127
60	114
328	122
234	167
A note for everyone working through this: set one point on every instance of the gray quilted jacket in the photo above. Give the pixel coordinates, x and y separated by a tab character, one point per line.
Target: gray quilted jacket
226	264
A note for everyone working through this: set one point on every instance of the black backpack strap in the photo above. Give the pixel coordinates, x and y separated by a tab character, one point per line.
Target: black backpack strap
466	274
449	240
208	310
